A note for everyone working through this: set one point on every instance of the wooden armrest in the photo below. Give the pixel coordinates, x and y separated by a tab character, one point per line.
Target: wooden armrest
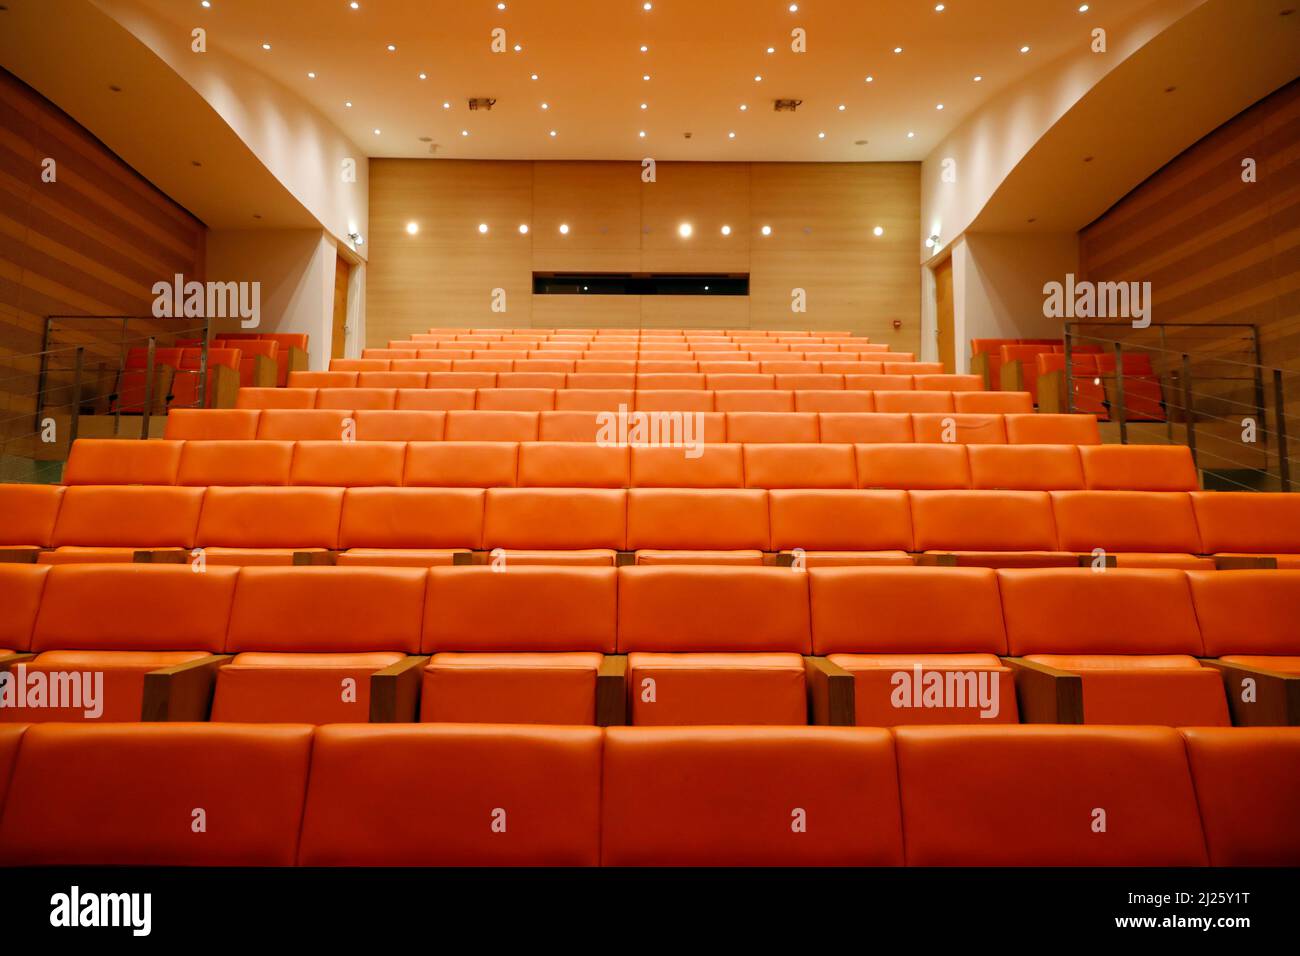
160	557
462	558
183	692
298	360
935	560
12	660
395	691
315	559
1012	378
19	555
830	693
1046	695
1085	560
1275	696
611	691
265	372
1244	563
1051	393
625	559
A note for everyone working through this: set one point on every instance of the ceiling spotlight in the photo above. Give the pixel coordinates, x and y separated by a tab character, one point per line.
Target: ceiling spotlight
464	132
348	104
685	230
412	228
938	106
482	228
841	107
645	76
771	49
1083	8
376	132
392	48
519	48
766	230
1024	49
501	6
354	5
533	77
424	76
743	107
647	6
794	8
758	79
645	106
523	229
644	48
978	78
932	242
910	134
871	79
553	133
938	8
205	3
446	105
726	230
564	228
266	46
898	49
878	231
546	106
821	135
731	135
311	76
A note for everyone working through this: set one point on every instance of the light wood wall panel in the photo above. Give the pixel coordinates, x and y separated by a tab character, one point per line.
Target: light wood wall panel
91	243
822	217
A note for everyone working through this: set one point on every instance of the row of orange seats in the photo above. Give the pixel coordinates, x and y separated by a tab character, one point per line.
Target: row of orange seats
849	360
133	380
717	365
413	420
500	332
589	465
656	646
517	796
651	400
905	376
423	526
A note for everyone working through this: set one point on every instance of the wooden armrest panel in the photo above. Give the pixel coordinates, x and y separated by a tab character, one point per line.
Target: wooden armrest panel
183	692
830	693
1046	695
1257	697
611	691
395	691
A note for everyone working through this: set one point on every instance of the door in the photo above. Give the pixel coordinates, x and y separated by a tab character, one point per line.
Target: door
943	309
339	339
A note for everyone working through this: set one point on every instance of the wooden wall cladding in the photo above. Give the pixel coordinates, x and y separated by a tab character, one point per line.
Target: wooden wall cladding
822	216
91	243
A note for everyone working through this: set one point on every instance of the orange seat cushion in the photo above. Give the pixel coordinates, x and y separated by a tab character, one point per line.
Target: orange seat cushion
397	558
117	696
1279	665
554	688
894	689
1173	690
297	688
676	689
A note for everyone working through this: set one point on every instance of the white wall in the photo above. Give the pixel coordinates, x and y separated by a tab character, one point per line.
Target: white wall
296	271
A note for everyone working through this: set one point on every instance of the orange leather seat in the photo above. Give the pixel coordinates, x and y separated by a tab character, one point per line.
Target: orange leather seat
511	688
354	398
1140	528
799	466
738	400
1131	635
307	640
1139	468
1248	618
246	526
714	645
965	429
405	365
1249	523
109	522
811	796
370	365
872	381
235	463
718	466
213	423
503	399
1247	783
939	381
465	796
672	380
385	380
603	380
577	426
307	424
593	399
335	380
908	402
573	465
1052	430
345	464
127	795
409	527
772	427
461	464
491	426
833	401
988	528
1047	796
433	400
555	519
842	527
868	428
810	380
28	514
1025	467
117	462
267	398
993	403
383	425
909	466
683	520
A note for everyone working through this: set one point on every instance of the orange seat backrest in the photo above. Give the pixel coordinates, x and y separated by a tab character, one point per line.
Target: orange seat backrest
270	518
912	466
139	516
983	521
701	609
1052	430
122	794
28	514
572	465
906	610
555	518
436	777
947	383
1247	786
261	398
868	427
303	424
604	380
673	380
739	381
742	780
1028	796
107	461
1141	521
134	607
461	464
391	380
812	400
964	429
344	464
1079	611
491	426
323	379
913	401
527	608
993	403
1247	521
1139	468
1248	612
519	381
370	365
767	400
434	400
718	466
422	518
674	400
235	463
800	466
834	520
382	425
772	427
583	426
1025	467
411	365
327	610
810	380
212	423
459	379
876	382
20	595
353	398
697	519
593	399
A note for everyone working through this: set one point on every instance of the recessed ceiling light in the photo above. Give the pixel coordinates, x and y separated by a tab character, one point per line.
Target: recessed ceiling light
841	107
354	5
641	134
938	8
482	227
266	46
412	228
644	48
898	49
821	135
978	78
546	106
731	135
910	134
1024	49
878	231
794	8
348	104
205	3
501	6
645	76
758	79
376	131
766	230
938	106
553	133
446	105
685	230
771	49
392	48
645	106
726	230
743	107
564	228
647	6
871	79
518	48
523	229
533	77
464	132
424	76
1083	8
311	76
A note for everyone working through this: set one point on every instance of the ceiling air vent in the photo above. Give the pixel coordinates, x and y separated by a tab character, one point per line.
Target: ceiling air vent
482	102
787	106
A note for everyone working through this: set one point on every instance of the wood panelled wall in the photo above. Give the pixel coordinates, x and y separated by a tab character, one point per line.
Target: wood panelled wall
93	242
822	216
1215	248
